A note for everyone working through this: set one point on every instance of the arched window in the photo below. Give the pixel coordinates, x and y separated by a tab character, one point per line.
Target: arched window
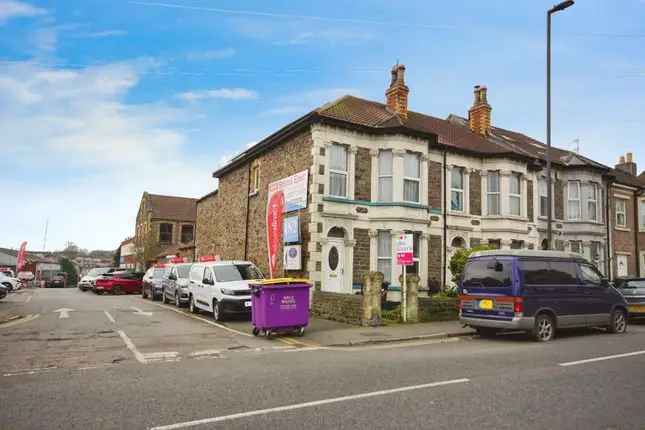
336	232
545	244
458	242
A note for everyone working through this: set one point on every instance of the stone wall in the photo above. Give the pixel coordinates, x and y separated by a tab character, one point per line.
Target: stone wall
363	175
434	184
438	309
475	191
558	199
434	262
222	219
529	200
361	255
345	308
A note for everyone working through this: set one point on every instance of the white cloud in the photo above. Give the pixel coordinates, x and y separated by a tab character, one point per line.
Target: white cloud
15	9
101	34
75	152
208	55
301	103
45	40
219	93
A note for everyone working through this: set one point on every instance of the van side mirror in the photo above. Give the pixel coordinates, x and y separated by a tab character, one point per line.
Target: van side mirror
207	281
172	277
495	265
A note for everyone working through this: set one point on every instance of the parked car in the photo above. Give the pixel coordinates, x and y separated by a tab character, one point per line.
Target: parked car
121	282
3	292
87	281
59	280
152	282
633	289
10	283
222	287
175	284
7	271
26	277
537	291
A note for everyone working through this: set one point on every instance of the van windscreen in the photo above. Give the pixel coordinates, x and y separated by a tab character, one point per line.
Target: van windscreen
487	273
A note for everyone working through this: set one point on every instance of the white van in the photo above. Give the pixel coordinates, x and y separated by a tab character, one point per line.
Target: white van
221	287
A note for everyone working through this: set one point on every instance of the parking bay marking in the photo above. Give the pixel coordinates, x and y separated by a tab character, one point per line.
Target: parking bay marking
138	311
308	404
110	317
204	320
606	357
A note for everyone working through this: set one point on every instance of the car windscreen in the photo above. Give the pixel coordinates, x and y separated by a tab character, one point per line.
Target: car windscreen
158	272
236	272
183	271
487	273
637	283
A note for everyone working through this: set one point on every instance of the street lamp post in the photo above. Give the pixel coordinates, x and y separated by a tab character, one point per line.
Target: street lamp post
549	192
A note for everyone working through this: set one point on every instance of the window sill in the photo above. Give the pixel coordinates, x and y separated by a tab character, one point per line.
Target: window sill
459	214
253	193
621	228
509	217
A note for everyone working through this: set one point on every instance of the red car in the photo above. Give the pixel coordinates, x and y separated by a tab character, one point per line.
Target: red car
119	283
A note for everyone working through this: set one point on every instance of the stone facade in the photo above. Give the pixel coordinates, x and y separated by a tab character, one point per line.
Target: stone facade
438	309
363	175
435	170
434	262
475	190
345	308
529	202
558	199
361	255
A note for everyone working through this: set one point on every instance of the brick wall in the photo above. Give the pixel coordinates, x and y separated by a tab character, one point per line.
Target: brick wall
363	175
361	255
558	199
434	262
438	309
434	184
345	308
475	192
623	238
221	225
529	200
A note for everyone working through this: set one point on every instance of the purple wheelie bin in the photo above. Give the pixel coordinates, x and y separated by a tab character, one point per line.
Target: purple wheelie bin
280	305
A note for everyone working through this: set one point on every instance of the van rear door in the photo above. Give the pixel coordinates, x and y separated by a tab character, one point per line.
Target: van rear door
487	288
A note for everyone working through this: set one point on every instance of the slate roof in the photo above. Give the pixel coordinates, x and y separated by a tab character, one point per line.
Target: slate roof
173	208
626	178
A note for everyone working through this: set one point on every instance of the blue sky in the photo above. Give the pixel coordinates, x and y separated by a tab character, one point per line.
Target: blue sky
101	100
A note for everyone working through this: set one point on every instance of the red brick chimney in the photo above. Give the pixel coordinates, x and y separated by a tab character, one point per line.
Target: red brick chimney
397	95
479	113
626	164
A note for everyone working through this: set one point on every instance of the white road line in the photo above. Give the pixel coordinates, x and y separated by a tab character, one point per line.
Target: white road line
203	320
131	347
207	352
307	405
28	318
606	357
30	371
110	317
28	299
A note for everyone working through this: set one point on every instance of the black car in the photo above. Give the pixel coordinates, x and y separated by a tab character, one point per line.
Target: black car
3	292
633	290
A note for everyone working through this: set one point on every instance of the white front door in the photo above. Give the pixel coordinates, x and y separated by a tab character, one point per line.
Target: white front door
334	266
621	264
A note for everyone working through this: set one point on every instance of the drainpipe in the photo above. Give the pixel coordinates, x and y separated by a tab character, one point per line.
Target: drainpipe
636	228
609	243
445	226
246	224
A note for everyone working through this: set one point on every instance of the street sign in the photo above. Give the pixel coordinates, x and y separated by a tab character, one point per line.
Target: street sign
405	250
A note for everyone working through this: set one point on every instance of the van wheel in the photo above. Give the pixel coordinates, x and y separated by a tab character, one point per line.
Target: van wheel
544	329
486	331
217	311
193	308
618	323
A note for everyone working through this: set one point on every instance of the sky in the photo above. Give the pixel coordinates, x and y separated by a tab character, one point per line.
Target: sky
101	100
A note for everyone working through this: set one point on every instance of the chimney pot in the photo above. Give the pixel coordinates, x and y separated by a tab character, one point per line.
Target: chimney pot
621	159
628	157
396	96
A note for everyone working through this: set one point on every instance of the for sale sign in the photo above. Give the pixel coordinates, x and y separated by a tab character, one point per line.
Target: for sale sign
405	250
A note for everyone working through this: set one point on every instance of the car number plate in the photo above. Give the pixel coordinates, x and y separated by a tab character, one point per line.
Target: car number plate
486	304
636	308
247	304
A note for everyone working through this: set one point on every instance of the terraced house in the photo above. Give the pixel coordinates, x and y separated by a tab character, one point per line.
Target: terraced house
376	170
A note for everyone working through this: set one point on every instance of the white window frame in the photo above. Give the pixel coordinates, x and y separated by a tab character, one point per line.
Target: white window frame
623	212
385	176
388	257
517	196
580	248
407	178
570	200
641	214
595	188
339	172
489	193
543	183
462	172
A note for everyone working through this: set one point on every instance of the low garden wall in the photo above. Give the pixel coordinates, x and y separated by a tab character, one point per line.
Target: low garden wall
345	308
438	308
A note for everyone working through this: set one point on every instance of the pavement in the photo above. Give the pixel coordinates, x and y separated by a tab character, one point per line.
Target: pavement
150	366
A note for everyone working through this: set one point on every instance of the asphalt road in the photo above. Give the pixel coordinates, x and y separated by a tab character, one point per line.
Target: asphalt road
151	367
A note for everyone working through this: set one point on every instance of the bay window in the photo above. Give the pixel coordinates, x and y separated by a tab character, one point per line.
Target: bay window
515	194
543	193
412	177
621	213
642	214
457	189
385	176
338	170
590	194
492	193
573	200
384	254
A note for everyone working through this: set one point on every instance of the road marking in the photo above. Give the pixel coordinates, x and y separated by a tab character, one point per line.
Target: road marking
307	404
161	356
110	317
30	371
138	311
207	352
131	347
203	320
63	312
28	299
28	318
606	357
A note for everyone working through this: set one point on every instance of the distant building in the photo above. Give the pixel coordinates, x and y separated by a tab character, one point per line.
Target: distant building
128	254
